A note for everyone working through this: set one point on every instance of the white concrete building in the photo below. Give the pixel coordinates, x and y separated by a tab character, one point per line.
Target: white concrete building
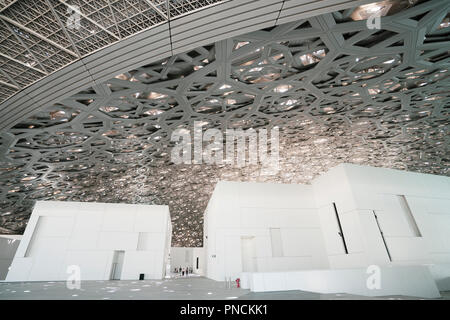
105	240
259	227
350	218
411	211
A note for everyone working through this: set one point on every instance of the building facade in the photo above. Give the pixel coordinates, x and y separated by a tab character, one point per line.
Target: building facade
100	241
351	217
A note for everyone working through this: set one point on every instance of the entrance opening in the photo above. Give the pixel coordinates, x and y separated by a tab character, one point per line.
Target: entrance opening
116	267
248	250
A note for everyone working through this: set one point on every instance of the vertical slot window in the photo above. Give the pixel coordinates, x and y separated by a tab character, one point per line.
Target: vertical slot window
382	236
414	228
340	232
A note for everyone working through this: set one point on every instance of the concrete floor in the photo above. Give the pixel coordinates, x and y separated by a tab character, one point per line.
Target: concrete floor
191	288
181	288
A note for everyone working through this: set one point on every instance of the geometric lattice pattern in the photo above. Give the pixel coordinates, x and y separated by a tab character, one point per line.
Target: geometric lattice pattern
35	39
338	91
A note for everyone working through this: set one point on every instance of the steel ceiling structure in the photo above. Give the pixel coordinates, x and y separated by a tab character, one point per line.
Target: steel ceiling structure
338	91
45	59
38	39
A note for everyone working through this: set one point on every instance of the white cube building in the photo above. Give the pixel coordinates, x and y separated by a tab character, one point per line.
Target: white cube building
388	217
348	219
105	240
262	227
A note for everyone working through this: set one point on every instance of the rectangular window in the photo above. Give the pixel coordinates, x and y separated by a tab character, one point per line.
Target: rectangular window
415	232
143	240
277	244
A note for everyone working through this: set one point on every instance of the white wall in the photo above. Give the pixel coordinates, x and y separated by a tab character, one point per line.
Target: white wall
8	247
410	210
86	234
187	257
360	192
413	281
240	212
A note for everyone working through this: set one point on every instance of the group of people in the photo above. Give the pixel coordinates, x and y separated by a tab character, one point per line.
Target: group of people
183	271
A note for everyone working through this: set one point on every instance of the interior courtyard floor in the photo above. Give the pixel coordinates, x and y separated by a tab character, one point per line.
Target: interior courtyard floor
178	288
